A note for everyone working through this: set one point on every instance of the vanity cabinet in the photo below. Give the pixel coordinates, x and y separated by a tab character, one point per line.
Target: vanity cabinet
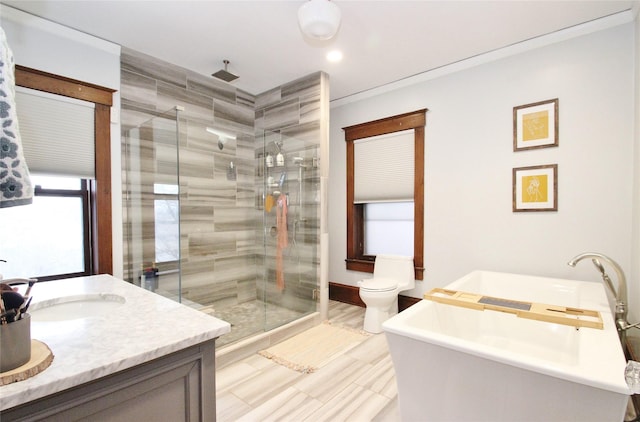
148	359
176	387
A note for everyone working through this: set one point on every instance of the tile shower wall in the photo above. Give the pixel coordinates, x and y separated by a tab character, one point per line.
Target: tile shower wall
225	253
218	214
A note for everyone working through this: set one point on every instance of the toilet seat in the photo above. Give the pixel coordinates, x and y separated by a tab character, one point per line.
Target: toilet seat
378	285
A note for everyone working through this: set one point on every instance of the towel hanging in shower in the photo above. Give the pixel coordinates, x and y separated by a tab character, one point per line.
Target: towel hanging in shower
15	183
283	239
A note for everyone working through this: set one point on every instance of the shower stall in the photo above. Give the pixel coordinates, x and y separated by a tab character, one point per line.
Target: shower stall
226	221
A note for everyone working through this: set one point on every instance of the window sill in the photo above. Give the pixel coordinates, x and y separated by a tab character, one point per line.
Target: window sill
362	265
366	266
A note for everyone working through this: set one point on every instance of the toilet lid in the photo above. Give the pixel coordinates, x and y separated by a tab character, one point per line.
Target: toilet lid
379	284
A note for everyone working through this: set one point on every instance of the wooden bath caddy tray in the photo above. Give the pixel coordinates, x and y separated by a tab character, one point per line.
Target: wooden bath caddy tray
548	313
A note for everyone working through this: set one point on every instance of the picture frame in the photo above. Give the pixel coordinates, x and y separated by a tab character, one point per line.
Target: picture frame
535	125
535	188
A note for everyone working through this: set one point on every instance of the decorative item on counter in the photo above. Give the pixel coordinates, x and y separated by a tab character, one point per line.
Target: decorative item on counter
10	304
13	305
15	343
15	324
41	358
2	309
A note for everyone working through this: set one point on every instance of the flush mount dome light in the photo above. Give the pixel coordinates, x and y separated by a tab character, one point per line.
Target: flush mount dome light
319	19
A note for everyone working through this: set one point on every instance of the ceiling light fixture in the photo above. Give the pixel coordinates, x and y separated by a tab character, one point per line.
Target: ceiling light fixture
334	56
319	19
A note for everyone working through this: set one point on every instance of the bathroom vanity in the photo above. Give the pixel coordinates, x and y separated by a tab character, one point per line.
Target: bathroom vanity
120	353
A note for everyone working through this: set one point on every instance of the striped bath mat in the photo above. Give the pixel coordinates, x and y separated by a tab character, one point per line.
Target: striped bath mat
314	348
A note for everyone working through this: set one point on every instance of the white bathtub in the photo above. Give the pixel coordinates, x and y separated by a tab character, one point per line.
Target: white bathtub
459	364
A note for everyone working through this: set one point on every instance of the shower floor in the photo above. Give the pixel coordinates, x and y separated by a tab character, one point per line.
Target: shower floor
250	318
246	319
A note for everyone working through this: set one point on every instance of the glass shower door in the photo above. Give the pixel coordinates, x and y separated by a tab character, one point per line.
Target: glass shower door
151	203
290	227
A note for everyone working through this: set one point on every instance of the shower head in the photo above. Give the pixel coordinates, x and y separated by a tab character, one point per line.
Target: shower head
224	74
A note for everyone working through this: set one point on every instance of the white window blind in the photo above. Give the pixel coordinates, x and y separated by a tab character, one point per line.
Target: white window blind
58	134
384	167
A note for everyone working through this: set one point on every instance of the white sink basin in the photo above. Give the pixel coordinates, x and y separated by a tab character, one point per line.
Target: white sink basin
76	307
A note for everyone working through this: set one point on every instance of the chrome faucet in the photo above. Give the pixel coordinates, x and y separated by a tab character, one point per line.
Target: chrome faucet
620	294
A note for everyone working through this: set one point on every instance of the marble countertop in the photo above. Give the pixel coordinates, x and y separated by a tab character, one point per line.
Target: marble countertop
145	327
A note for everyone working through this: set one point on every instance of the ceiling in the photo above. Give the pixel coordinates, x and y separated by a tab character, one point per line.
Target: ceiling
382	41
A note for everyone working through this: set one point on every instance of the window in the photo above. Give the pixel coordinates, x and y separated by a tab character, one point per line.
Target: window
100	188
373	226
166	209
50	238
388	228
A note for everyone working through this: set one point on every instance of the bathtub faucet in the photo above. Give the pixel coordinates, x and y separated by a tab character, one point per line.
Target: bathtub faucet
620	294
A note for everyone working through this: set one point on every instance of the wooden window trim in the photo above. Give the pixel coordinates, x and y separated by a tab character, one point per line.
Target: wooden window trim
100	189
416	120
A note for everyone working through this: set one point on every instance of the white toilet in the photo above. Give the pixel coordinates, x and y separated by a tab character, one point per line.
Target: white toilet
391	275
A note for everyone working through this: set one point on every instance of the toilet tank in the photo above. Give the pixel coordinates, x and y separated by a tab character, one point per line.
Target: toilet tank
396	267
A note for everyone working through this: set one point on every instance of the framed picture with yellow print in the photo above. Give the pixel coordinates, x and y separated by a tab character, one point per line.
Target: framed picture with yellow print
535	125
535	188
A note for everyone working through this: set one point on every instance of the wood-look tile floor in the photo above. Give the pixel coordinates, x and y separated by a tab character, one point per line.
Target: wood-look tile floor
357	386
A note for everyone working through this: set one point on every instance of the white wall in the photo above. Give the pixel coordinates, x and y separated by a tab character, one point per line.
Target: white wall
52	48
469	223
634	288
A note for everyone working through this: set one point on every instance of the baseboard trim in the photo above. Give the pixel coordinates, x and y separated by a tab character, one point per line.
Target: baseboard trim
345	294
350	294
